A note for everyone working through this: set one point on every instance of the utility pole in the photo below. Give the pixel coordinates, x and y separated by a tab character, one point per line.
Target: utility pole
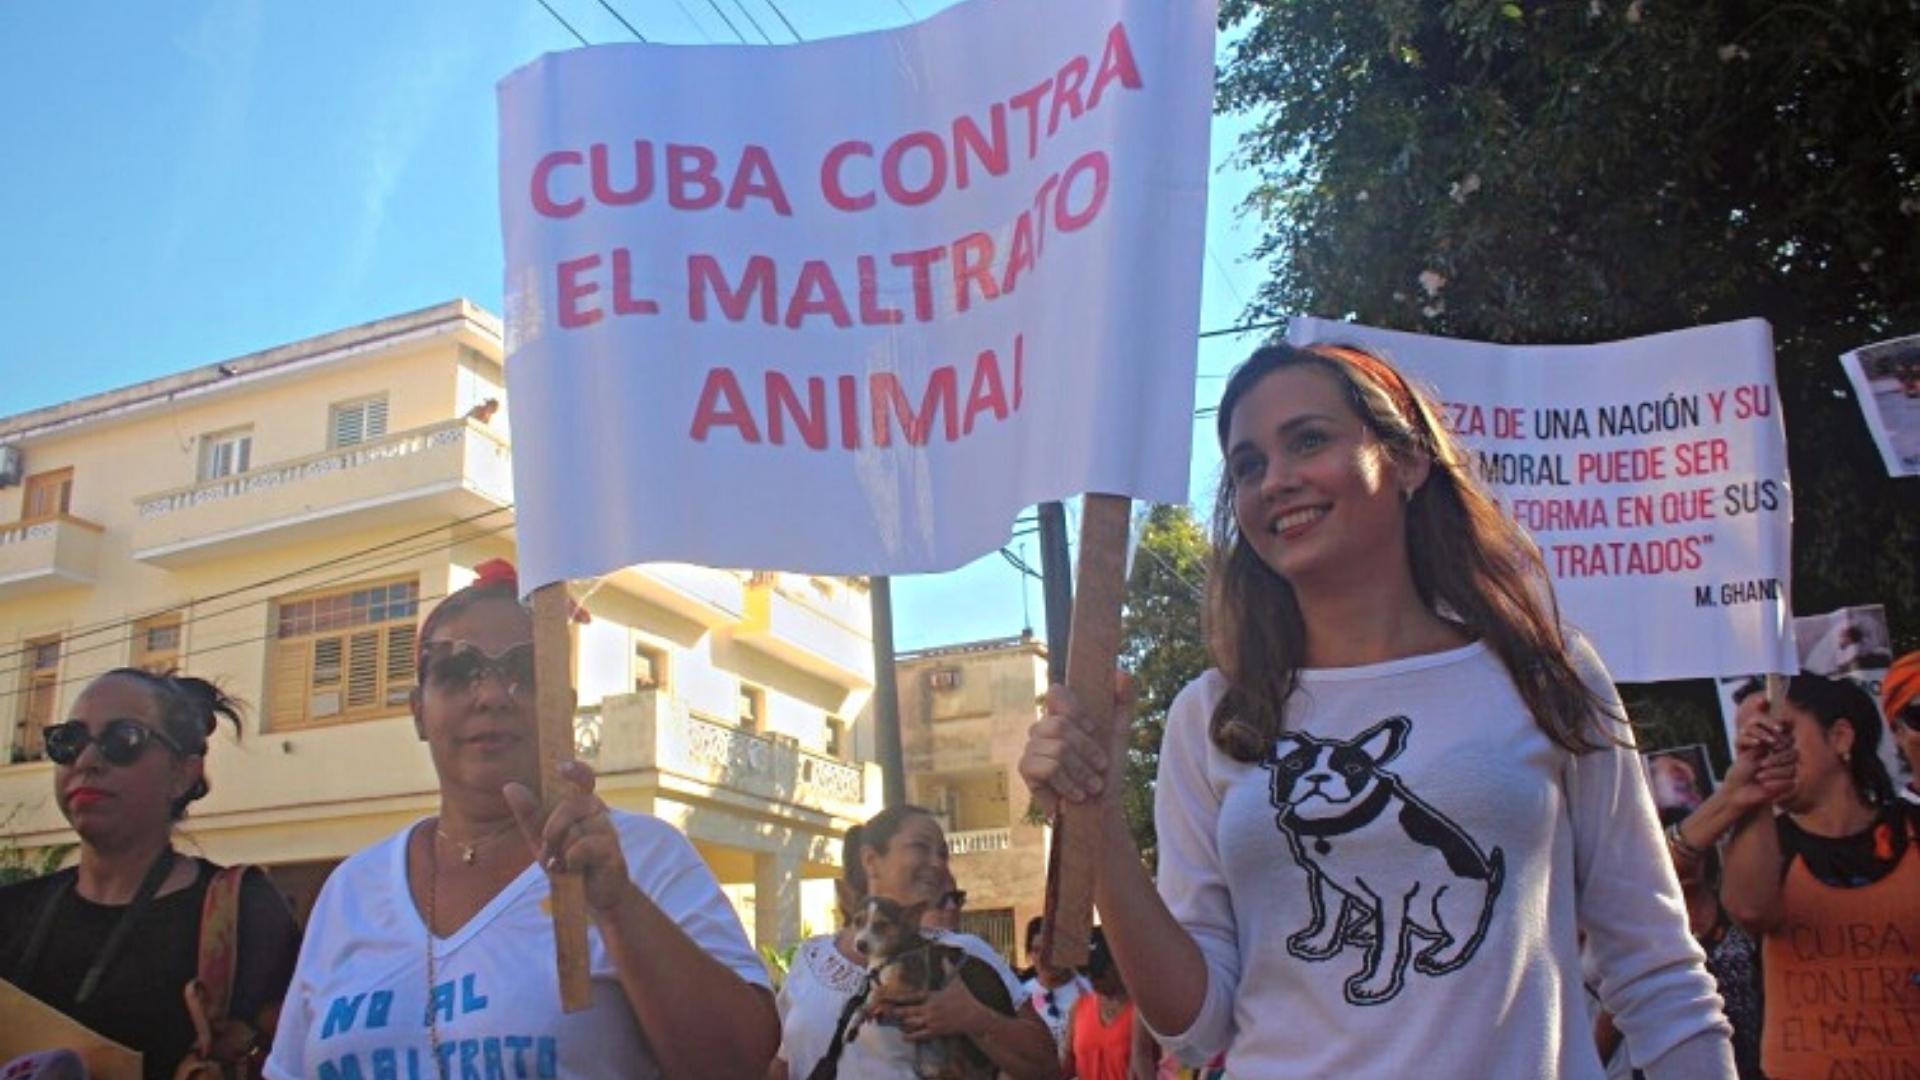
1056	578
886	694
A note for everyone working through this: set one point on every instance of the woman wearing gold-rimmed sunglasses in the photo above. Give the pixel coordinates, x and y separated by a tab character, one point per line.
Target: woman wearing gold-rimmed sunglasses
431	953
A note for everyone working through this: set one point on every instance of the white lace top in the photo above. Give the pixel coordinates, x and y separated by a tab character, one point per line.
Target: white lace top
816	991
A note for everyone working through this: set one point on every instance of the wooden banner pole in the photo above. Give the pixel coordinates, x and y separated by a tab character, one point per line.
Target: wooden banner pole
1093	648
553	649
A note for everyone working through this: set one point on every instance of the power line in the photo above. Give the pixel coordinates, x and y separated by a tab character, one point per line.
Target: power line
1019	564
783	19
1226	277
908	10
715	5
356	572
751	21
704	36
338	560
1199	592
562	22
203	650
1246	328
623	21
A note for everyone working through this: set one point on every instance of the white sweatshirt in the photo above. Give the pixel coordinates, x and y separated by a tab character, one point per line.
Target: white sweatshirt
1415	802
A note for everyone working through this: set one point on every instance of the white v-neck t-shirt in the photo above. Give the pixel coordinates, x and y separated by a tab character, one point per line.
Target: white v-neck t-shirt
1400	887
358	1007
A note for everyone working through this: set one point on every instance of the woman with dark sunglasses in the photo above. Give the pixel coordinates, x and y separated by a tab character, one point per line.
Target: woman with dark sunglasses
113	941
431	954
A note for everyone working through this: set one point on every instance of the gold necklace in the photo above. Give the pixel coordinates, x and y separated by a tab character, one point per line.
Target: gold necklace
470	849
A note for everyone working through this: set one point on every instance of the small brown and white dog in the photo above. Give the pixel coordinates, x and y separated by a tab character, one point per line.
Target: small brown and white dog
905	967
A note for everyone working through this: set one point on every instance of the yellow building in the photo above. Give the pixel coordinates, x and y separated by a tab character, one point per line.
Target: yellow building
964	715
278	523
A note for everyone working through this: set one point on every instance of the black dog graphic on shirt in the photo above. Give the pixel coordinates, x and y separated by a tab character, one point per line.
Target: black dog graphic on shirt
1423	876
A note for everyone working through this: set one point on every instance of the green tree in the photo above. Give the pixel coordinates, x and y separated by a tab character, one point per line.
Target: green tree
1582	170
1161	647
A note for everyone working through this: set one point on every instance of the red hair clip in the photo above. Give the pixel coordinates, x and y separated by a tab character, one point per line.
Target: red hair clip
501	572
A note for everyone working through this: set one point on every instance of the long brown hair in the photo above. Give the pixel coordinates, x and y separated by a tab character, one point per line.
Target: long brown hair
1471	565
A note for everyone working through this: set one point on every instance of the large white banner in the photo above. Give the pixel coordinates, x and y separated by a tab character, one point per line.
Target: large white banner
848	306
1653	473
1886	382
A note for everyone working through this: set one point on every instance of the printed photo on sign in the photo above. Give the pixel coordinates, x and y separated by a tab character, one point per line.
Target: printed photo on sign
1680	776
1886	381
1851	643
1652	473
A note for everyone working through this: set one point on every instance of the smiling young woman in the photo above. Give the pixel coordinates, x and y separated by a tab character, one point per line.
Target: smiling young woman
1389	814
113	941
447	920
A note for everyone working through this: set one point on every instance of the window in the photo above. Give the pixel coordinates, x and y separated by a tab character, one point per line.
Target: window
341	656
224	453
39	678
944	678
156	642
753	708
836	738
357	421
993	926
649	667
49	495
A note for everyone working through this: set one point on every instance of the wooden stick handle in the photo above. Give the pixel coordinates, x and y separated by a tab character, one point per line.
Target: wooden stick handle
553	649
1092	649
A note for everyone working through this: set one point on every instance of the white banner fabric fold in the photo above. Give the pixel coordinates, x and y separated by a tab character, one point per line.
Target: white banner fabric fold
848	306
1652	472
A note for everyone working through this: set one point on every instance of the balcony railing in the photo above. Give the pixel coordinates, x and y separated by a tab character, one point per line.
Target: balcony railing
636	732
53	553
979	841
450	469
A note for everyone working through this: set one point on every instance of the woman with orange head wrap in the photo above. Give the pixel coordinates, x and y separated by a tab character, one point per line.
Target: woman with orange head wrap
1900	704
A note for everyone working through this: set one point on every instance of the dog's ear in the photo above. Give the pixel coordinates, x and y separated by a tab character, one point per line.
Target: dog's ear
1383	741
1286	743
848	898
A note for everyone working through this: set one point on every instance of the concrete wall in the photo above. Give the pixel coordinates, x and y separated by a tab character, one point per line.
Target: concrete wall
965	740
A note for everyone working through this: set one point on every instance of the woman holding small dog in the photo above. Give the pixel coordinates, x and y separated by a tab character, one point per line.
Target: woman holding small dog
1388	814
899	857
430	954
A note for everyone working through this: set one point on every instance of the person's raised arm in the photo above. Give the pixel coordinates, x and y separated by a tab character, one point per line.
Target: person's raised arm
1158	956
1751	877
1753	781
700	1016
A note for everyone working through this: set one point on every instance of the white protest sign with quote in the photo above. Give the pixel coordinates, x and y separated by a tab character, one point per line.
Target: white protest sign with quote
848	306
1652	472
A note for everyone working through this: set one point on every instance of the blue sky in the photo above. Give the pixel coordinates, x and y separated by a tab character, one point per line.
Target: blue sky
192	181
